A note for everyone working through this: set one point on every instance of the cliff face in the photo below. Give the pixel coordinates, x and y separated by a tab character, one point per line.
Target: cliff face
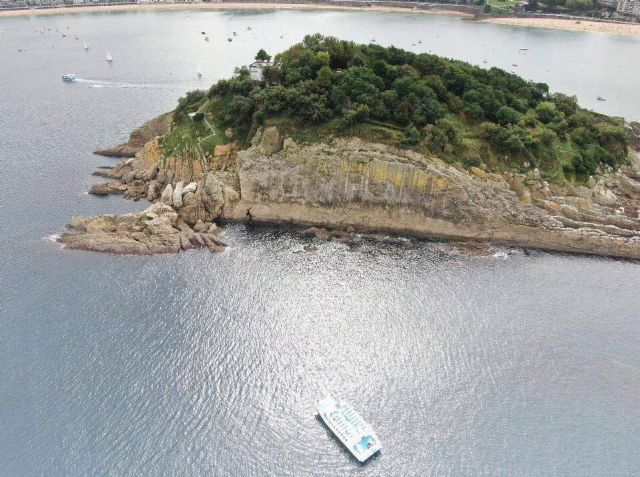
140	136
376	187
371	187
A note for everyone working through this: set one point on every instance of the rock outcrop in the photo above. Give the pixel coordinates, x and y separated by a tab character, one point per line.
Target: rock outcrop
139	137
157	229
355	185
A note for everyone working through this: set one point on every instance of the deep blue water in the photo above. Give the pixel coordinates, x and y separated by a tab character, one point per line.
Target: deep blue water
209	364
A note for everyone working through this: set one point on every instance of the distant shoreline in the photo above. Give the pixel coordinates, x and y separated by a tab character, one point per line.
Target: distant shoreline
222	6
613	28
568	24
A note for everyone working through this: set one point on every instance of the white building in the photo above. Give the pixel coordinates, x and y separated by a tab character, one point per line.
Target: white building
255	69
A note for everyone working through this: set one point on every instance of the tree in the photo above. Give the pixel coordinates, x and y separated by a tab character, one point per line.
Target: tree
262	55
507	115
487	8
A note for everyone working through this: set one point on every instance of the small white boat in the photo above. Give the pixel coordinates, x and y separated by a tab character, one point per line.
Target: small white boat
69	78
235	34
199	72
349	427
109	57
85	46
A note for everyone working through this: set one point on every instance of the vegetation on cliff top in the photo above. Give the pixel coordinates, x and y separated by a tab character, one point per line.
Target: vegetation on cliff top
448	108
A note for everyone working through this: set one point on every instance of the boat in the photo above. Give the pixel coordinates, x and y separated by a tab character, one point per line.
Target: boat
600	98
349	427
85	46
229	39
199	72
235	34
206	38
109	57
524	49
69	78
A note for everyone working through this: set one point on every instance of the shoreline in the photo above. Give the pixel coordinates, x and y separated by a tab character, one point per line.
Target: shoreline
578	24
222	6
568	24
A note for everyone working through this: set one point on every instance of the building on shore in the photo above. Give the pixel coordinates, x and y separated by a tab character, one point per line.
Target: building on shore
629	7
256	69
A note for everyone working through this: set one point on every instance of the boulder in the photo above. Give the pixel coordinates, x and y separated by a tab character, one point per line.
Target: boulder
177	195
99	189
271	141
191	187
167	195
152	190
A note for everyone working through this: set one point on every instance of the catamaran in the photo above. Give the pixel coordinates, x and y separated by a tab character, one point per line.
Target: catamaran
348	426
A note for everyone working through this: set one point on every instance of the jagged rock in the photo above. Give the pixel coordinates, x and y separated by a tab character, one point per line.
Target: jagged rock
271	141
154	230
129	177
224	156
177	195
167	195
200	226
140	136
152	190
99	189
214	230
116	187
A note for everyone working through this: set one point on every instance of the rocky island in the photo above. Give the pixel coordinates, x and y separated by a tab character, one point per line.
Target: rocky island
362	138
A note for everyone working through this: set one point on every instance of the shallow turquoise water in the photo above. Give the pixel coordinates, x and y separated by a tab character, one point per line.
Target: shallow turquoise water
200	363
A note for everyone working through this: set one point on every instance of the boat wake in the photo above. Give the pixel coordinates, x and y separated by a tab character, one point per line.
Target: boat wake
118	84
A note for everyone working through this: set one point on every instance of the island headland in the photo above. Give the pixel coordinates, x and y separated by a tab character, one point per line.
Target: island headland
361	139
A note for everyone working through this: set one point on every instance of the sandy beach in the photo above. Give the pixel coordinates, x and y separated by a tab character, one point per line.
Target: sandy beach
626	29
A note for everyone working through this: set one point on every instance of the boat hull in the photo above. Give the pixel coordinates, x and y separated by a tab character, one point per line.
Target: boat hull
349	428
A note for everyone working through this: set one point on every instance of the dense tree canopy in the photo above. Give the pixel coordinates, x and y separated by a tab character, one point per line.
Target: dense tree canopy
452	109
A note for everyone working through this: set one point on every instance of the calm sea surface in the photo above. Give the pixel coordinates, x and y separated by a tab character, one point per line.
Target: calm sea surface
209	364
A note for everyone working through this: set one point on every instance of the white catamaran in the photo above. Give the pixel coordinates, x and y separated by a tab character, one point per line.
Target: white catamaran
348	426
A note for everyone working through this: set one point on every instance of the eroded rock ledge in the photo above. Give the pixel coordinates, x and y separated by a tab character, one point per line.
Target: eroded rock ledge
154	230
351	184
